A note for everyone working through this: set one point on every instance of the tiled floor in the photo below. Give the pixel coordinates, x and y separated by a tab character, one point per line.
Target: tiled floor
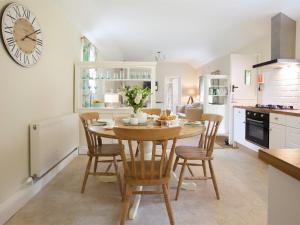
242	180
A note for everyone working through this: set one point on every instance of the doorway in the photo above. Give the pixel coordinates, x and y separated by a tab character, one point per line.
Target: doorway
172	93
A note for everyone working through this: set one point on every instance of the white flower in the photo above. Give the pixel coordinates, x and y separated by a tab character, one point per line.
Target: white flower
138	98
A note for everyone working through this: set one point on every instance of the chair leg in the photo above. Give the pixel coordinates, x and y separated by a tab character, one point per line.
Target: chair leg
95	164
213	179
125	207
87	171
118	175
175	163
137	150
204	167
168	203
180	179
108	167
190	170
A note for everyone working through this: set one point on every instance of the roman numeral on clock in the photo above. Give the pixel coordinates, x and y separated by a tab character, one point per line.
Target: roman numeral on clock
17	11
8	30
26	13
39	42
18	54
26	59
13	19
10	41
38	51
34	59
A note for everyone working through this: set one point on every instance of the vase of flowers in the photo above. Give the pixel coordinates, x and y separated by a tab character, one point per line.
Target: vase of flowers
136	97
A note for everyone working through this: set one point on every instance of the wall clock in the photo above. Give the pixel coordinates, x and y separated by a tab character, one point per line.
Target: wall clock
22	34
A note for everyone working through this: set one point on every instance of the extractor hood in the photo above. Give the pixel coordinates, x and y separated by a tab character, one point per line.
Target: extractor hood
283	43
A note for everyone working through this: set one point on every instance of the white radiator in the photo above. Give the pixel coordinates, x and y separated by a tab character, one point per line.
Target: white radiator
51	141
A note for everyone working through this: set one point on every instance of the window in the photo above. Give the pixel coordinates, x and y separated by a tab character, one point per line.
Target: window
88	51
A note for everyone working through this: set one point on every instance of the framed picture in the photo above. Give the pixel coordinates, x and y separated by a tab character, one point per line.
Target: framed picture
248	77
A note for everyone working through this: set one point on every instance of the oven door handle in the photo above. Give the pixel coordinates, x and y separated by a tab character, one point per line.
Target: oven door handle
256	121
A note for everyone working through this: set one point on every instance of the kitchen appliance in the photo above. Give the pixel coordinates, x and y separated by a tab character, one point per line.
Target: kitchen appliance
257	128
270	106
283	42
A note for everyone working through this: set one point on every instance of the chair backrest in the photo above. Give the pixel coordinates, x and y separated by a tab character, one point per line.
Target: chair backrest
193	114
152	111
207	140
142	168
92	139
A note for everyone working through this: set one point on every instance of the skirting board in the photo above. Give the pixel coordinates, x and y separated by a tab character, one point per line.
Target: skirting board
9	207
83	150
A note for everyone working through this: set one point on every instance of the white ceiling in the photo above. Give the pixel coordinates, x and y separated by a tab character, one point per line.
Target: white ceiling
192	31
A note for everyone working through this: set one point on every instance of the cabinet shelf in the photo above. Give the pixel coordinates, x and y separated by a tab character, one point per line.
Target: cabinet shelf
94	80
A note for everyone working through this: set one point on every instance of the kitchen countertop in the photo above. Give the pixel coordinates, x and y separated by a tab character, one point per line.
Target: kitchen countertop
286	160
294	112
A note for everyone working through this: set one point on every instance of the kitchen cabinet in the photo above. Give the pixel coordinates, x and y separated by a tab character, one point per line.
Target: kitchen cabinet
96	80
292	137
239	125
284	131
277	136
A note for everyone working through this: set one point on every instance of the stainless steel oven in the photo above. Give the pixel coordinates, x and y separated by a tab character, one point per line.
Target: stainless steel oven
257	128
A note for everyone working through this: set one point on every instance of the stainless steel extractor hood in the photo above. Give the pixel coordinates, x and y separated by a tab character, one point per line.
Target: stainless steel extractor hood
283	42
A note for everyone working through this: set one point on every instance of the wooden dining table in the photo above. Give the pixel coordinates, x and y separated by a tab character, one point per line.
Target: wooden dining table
187	131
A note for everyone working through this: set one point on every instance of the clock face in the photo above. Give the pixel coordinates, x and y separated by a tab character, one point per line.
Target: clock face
22	34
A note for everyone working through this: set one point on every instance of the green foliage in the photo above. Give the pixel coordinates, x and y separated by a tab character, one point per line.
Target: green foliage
137	96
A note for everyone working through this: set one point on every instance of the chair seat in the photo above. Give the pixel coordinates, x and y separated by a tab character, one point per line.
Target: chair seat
151	179
108	150
192	153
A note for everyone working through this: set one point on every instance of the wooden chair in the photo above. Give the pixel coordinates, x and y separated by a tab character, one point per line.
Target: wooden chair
193	114
154	171
96	149
203	152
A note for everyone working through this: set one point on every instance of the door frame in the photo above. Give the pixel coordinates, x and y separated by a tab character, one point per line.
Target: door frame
167	78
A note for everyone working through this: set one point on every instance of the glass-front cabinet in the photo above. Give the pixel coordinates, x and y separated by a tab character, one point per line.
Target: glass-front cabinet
218	90
100	84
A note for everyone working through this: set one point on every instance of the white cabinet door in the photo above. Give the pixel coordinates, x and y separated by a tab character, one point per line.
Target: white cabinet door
239	125
277	136
292	137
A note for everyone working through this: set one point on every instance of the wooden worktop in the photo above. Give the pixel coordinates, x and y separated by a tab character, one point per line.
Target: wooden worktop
294	112
286	160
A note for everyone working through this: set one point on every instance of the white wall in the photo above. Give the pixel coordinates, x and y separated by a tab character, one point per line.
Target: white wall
222	64
189	77
29	94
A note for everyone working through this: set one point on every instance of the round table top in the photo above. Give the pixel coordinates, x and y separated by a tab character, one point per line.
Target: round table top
186	131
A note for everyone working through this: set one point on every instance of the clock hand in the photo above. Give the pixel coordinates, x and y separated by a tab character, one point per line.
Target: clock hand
31	38
26	36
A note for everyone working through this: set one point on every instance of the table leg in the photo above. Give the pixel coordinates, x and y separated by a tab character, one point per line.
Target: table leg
137	198
191	186
136	202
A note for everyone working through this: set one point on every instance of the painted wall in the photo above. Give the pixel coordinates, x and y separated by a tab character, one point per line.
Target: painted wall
30	94
189	77
222	64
